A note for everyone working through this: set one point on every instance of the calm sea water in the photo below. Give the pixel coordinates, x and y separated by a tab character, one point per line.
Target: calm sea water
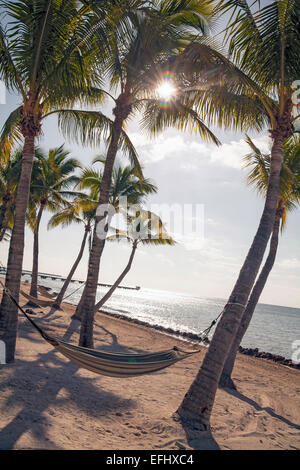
273	328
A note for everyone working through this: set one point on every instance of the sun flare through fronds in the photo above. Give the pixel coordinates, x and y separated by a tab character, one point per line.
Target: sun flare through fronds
166	90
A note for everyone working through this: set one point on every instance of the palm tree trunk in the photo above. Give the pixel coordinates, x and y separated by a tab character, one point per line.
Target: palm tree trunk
196	407
8	311
60	296
89	295
121	112
118	281
226	380
35	263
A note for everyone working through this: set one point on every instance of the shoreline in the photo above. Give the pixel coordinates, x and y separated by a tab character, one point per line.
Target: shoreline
194	338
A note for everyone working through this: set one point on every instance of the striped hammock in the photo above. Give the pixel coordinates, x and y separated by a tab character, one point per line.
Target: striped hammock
110	364
119	364
40	302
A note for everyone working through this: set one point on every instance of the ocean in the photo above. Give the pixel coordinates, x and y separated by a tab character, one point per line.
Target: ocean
273	328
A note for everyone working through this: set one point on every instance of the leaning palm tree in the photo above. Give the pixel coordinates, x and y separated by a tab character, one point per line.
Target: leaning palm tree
46	58
153	35
264	46
81	211
289	199
126	189
53	179
144	228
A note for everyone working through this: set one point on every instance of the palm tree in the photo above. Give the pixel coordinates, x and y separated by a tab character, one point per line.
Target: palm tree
82	211
152	36
289	198
9	177
144	228
53	177
46	56
83	208
265	48
124	185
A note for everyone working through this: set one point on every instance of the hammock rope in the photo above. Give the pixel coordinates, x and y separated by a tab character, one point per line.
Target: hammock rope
69	295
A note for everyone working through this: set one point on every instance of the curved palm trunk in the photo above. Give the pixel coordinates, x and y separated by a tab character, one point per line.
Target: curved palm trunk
35	262
196	407
60	296
226	380
8	311
87	305
114	286
118	281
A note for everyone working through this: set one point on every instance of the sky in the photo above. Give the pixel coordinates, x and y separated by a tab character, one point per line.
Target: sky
190	173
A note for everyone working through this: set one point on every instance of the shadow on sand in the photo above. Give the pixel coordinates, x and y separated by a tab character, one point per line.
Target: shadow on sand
36	384
255	405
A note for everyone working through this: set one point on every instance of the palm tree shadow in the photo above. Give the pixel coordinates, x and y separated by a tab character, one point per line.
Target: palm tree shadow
267	409
36	385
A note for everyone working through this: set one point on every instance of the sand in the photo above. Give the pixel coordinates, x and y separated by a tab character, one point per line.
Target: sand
46	402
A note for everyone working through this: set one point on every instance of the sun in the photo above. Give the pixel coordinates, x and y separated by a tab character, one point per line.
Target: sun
165	91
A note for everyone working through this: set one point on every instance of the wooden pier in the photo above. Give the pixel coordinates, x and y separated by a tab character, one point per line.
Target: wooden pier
57	277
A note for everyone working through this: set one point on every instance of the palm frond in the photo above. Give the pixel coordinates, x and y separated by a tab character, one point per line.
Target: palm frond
10	134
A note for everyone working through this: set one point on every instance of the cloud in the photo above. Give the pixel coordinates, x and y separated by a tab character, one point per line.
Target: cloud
184	145
162	147
232	153
289	263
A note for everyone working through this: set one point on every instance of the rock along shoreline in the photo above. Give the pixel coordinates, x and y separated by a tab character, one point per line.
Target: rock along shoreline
254	352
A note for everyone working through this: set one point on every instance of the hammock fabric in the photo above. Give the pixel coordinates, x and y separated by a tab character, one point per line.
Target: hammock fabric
40	302
43	291
110	364
119	365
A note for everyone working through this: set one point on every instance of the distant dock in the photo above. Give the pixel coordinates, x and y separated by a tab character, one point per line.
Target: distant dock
57	277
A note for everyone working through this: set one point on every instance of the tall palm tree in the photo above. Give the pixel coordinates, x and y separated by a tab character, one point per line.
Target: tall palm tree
264	46
152	36
46	57
53	179
289	198
81	211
